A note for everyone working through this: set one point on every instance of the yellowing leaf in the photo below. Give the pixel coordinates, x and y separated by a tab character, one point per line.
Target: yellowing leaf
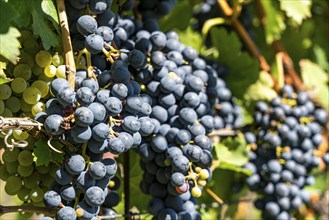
9	44
316	79
297	9
274	21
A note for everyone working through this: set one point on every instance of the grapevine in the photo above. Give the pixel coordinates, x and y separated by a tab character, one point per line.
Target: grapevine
163	109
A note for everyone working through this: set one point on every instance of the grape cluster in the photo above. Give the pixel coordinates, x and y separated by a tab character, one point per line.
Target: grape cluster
25	95
80	188
284	143
23	177
159	98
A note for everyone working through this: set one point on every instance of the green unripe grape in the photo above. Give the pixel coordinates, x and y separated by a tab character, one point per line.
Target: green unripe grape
25	35
25	114
53	169
202	183
25	107
25	215
50	71
7	113
31	181
27	59
196	191
31	45
30	143
25	158
204	174
38	107
2	106
57	60
45	78
43	58
61	72
197	169
10	155
42	86
13	185
24	194
42	169
47	180
23	70
31	95
13	104
18	85
3	172
20	135
37	70
5	91
36	194
24	171
12	168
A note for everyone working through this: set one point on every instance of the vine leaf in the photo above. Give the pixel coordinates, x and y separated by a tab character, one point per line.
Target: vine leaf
42	12
191	38
315	79
43	155
135	175
41	27
175	18
241	65
3	77
297	10
274	21
9	44
232	154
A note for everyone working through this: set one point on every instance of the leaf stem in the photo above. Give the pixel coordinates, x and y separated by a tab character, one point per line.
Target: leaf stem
66	39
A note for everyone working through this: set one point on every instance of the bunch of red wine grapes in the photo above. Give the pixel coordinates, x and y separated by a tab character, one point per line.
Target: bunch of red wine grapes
25	96
136	88
284	139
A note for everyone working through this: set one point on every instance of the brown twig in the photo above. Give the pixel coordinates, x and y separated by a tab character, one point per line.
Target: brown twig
228	12
66	39
44	210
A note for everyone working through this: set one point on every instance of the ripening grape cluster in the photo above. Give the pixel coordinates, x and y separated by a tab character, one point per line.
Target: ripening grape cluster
135	87
25	95
284	145
23	177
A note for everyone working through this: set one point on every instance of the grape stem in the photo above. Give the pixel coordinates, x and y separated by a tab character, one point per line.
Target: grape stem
44	210
223	132
66	39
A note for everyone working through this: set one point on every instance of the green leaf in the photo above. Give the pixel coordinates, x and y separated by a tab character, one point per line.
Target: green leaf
315	79
3	77
232	153
274	21
49	8
137	199
191	38
40	27
24	10
297	9
321	57
240	64
43	155
7	14
179	18
9	44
